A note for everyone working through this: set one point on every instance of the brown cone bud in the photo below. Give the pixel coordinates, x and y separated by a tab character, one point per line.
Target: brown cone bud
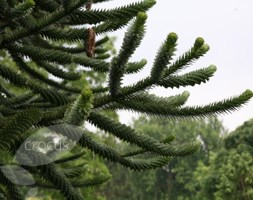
90	43
88	6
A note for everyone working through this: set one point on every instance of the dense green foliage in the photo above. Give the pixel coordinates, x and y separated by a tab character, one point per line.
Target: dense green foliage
177	179
230	172
48	62
221	169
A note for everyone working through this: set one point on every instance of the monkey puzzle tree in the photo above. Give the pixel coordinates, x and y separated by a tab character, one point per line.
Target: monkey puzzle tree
43	39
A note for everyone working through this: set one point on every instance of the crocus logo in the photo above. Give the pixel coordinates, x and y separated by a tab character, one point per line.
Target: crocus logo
43	147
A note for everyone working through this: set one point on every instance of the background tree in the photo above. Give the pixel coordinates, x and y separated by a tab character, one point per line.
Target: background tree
230	170
221	169
177	180
29	30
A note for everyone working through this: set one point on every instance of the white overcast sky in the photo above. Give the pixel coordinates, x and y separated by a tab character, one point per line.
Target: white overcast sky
226	25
